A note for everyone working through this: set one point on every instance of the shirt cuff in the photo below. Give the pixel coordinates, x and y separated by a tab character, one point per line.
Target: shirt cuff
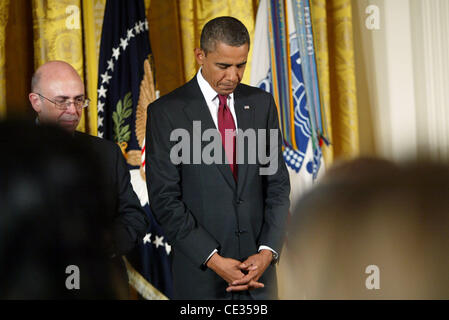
275	254
210	256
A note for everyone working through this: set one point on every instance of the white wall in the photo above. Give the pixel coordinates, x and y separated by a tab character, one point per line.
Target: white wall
430	31
402	73
385	78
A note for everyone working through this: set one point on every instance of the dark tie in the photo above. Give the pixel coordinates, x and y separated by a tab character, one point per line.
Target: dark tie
226	122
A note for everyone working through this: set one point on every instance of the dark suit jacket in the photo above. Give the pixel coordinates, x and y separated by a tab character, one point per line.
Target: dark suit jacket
200	207
130	221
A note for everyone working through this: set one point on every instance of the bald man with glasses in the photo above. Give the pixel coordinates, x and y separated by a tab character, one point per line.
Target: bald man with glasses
58	98
57	95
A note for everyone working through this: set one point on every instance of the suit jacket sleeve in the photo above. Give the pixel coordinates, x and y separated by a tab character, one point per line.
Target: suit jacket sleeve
164	189
276	190
131	222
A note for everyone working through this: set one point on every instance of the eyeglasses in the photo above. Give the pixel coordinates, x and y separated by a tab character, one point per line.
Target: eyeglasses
79	103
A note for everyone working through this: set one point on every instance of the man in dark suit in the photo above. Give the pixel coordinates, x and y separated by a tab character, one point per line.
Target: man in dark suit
225	221
58	98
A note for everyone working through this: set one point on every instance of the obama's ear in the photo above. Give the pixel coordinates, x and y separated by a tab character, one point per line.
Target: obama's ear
200	55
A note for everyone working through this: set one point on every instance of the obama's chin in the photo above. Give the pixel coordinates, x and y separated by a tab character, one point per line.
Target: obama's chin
226	90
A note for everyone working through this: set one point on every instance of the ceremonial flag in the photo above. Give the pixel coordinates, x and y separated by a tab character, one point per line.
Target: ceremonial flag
284	53
125	88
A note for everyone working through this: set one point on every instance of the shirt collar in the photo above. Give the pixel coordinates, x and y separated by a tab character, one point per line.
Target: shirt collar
208	92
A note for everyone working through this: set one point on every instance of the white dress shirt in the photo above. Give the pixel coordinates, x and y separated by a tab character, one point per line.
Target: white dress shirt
211	97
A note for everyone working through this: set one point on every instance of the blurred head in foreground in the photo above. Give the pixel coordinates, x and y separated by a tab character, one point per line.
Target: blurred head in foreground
372	224
53	214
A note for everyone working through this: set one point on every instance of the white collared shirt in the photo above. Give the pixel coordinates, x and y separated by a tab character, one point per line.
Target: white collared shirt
211	97
212	101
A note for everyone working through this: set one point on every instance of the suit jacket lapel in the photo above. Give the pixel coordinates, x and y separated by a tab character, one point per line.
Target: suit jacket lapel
197	110
244	112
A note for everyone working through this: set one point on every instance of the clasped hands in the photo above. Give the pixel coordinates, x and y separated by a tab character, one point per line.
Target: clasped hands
244	275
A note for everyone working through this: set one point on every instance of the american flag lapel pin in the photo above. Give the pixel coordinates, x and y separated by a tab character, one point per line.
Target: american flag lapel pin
246	107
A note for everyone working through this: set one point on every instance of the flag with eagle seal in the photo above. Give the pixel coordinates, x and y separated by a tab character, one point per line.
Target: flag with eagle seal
125	89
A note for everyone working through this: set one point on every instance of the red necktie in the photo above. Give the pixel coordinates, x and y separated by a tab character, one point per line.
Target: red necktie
226	122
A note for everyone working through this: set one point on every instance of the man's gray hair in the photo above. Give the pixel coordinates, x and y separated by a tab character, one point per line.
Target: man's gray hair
228	30
35	81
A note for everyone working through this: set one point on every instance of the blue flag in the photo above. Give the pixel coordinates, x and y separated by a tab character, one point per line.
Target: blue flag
125	88
285	58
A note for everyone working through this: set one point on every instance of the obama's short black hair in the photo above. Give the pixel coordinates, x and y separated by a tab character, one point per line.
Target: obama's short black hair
226	29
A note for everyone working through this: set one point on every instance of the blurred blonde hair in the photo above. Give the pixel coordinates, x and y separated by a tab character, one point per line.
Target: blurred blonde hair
372	212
